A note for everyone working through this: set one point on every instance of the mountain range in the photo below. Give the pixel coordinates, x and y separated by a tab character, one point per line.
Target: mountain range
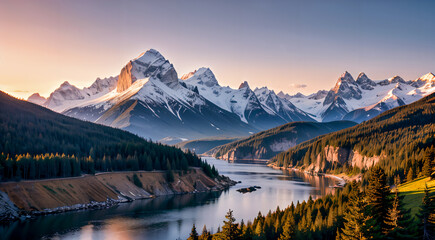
149	99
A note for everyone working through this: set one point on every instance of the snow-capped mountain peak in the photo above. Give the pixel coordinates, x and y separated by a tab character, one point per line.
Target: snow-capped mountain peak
346	87
429	77
244	85
202	76
364	82
346	77
149	56
150	64
396	79
427	80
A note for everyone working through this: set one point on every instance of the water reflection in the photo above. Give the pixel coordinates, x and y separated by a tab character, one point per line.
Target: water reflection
172	217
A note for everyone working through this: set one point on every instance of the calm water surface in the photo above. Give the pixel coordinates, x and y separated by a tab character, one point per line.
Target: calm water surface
172	217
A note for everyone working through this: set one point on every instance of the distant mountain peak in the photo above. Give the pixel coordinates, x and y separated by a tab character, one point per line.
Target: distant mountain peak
298	95
244	85
346	76
365	82
65	84
429	77
396	79
36	98
346	87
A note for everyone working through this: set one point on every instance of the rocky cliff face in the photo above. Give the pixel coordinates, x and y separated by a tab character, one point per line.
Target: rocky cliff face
260	152
125	78
238	154
338	155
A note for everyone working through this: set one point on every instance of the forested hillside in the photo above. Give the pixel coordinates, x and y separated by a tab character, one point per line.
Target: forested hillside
400	140
266	144
38	143
354	212
201	146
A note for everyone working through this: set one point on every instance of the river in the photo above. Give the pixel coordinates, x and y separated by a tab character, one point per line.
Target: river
171	217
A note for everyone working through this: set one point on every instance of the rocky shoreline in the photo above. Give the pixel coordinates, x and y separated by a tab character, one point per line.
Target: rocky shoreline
341	179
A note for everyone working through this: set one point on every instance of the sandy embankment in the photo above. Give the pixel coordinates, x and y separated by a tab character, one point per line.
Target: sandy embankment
103	189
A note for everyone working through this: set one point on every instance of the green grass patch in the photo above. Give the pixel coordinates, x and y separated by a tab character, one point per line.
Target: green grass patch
413	192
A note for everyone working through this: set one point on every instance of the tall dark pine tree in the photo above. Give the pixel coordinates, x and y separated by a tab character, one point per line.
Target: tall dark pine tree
193	234
426	216
379	201
428	163
356	218
401	221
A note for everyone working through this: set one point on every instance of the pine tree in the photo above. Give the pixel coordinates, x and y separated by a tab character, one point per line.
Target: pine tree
289	229
149	164
426	216
259	231
378	199
428	159
400	219
193	234
247	232
230	229
356	217
410	175
205	235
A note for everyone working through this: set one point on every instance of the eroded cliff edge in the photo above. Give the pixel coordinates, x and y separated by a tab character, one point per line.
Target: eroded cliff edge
99	191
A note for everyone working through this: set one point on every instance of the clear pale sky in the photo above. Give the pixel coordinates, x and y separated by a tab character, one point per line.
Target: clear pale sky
282	44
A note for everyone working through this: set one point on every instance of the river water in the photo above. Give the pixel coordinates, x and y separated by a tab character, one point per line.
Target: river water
171	217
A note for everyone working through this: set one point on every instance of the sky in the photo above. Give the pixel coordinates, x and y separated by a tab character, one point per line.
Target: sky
293	46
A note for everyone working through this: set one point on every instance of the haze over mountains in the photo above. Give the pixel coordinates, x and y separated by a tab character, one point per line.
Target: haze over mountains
149	99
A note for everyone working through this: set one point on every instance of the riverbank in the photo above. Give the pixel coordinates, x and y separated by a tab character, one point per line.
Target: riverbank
102	190
342	178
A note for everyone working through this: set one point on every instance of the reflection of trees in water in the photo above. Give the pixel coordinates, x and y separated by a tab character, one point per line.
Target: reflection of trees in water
58	223
320	183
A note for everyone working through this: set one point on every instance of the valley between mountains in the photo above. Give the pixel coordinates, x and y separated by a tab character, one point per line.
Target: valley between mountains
113	142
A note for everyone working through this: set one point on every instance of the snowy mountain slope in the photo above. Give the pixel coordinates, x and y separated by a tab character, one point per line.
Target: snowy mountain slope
261	108
68	95
150	101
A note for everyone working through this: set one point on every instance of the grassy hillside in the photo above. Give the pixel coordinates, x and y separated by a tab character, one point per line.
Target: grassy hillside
201	146
413	192
402	138
267	144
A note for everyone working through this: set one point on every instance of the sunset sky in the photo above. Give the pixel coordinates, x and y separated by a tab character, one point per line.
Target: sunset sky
285	45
